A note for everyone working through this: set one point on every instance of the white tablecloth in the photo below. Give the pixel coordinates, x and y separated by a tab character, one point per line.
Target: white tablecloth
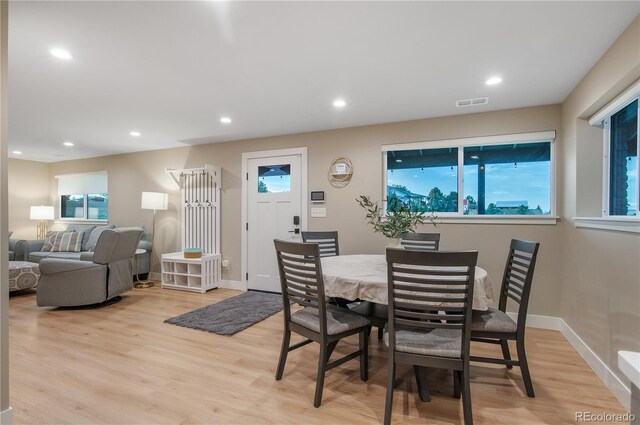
365	277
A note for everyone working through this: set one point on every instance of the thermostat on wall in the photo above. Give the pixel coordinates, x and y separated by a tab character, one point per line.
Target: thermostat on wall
317	197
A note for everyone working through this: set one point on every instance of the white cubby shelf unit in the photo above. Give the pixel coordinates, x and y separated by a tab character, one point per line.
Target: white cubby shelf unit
200	225
190	274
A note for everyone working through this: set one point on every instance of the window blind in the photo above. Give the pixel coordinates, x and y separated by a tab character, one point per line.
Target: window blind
79	184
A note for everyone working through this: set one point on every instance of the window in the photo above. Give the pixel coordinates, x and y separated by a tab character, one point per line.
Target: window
83	197
508	179
621	130
501	175
620	124
274	178
424	179
92	206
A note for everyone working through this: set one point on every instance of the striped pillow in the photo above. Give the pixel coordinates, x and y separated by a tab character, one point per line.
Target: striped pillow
50	240
68	242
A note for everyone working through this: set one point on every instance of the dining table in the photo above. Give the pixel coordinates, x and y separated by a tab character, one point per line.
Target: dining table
364	277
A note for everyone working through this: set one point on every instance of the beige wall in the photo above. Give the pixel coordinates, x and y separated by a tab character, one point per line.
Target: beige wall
28	185
600	269
131	174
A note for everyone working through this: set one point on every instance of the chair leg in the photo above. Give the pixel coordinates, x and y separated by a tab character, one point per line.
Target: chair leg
368	330
284	350
456	384
391	377
505	351
466	396
524	367
421	382
322	368
380	333
364	356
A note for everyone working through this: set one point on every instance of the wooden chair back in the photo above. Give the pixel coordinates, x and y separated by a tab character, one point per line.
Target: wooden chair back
421	241
301	277
518	275
421	284
327	241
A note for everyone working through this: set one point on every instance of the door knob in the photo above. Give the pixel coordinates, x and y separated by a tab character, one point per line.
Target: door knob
296	231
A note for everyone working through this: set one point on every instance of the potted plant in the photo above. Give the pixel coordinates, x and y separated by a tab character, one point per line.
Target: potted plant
399	218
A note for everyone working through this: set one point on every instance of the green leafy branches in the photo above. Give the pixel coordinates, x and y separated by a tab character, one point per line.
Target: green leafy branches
399	218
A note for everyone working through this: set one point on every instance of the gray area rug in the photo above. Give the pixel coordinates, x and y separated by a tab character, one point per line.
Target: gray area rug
231	315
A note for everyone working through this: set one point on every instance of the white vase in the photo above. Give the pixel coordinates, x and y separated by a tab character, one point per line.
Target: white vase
394	243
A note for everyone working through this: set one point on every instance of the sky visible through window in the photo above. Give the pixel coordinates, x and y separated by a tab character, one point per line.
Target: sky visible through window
528	181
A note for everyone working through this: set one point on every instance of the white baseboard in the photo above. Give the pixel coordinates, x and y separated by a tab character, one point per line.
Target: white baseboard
602	371
6	417
233	284
606	375
540	322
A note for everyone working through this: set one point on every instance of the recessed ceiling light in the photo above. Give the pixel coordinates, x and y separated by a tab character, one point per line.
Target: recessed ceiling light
17	152
493	81
225	120
135	133
61	54
69	144
474	157
339	103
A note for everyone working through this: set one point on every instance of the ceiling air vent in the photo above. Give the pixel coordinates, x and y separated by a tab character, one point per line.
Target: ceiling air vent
472	102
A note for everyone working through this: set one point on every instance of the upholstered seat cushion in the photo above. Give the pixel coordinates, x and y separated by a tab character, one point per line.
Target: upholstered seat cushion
435	342
492	320
338	320
36	256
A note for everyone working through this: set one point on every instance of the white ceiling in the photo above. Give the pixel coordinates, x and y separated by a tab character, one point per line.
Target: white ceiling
171	69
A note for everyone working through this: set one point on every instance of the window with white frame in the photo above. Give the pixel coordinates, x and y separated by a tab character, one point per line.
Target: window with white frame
497	175
83	197
619	120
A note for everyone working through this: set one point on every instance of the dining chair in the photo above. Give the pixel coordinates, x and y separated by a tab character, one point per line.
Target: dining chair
495	326
377	313
420	241
420	283
301	283
327	241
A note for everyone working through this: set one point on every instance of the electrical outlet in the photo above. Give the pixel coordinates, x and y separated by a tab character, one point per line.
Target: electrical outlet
317	212
225	264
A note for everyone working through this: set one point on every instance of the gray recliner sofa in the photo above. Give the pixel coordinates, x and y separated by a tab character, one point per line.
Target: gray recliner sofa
18	250
96	278
34	253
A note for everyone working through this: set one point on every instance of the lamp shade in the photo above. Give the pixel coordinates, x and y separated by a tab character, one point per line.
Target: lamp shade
41	212
155	201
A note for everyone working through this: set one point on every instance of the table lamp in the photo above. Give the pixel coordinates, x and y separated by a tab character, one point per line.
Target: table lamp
42	213
152	201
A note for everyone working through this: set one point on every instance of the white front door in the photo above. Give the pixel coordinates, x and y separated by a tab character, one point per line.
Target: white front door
274	200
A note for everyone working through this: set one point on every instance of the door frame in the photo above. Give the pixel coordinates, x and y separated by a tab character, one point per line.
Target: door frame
304	204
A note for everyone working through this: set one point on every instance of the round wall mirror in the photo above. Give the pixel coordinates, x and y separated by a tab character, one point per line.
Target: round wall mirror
340	172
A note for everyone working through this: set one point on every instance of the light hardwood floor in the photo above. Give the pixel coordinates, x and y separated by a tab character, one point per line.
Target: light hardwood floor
122	365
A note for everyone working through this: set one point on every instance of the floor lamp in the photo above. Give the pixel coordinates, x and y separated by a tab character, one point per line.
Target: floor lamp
152	201
42	213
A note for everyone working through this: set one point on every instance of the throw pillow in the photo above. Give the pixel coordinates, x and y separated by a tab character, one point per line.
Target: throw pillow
10	233
86	228
68	242
50	240
95	235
